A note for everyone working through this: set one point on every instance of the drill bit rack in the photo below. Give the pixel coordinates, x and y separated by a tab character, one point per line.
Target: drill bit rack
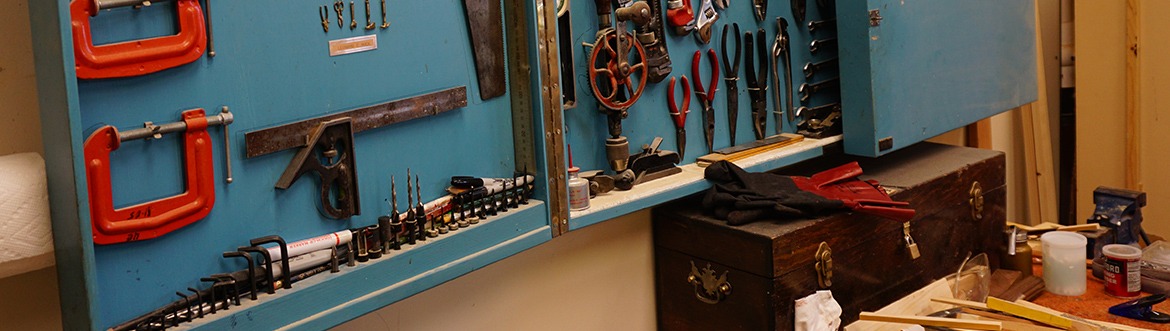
267	271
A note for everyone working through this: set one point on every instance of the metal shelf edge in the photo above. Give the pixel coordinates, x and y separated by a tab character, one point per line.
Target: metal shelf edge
327	300
614	204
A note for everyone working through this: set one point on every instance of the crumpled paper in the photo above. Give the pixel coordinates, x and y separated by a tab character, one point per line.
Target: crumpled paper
818	312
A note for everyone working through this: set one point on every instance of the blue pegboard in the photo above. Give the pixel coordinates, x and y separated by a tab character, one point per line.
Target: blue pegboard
273	67
649	117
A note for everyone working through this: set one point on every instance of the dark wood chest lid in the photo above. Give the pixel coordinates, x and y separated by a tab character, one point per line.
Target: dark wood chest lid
929	176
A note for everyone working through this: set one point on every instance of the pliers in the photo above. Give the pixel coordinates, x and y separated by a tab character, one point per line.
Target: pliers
757	85
780	49
680	115
761	8
732	80
706	96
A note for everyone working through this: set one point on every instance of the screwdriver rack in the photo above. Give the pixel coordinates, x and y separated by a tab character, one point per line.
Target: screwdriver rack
908	71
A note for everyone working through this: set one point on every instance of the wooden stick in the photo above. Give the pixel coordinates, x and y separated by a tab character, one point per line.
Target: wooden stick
1133	96
1029	313
1081	227
933	321
1122	327
1009	324
960	303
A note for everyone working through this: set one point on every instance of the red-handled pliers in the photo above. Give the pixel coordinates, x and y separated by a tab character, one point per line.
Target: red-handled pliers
680	116
706	97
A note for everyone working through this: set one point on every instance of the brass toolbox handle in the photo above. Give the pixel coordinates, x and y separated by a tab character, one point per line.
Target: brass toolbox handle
708	288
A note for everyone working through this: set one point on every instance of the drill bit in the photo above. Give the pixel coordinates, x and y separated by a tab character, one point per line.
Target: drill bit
421	211
395	223
411	221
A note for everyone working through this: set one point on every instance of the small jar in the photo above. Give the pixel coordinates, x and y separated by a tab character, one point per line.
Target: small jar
578	190
1018	255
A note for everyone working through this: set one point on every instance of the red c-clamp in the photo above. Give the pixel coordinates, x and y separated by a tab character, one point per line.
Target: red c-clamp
151	219
136	57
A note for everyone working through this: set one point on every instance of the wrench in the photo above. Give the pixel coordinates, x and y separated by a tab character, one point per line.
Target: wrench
815	25
812	68
816	45
705	21
806	89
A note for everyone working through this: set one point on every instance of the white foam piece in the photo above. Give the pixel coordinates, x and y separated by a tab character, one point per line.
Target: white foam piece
26	236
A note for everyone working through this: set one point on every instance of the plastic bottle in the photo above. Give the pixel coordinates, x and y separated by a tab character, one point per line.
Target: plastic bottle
1064	262
578	190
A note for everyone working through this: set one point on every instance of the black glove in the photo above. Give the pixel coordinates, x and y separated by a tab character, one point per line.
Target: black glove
741	197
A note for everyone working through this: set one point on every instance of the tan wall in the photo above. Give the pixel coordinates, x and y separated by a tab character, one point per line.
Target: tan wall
28	301
597	278
1101	101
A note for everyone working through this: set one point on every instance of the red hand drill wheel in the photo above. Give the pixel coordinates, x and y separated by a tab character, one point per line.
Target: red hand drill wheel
613	62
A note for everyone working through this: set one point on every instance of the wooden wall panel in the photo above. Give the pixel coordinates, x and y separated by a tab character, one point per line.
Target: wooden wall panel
1101	101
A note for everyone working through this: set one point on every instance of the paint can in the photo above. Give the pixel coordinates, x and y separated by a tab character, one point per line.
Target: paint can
1123	272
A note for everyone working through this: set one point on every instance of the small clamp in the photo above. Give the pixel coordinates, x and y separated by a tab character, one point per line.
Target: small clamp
1142	309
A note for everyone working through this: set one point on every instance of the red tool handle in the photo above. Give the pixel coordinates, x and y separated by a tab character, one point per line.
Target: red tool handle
156	218
709	93
680	115
680	17
136	57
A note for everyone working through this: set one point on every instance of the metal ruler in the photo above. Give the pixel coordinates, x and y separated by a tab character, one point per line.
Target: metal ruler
293	135
523	116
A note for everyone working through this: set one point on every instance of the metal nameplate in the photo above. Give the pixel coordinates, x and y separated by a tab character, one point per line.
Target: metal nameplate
353	45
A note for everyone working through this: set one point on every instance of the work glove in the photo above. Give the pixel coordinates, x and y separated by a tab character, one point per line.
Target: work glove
740	197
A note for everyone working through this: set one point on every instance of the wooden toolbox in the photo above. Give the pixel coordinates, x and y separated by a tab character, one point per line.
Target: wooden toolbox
711	276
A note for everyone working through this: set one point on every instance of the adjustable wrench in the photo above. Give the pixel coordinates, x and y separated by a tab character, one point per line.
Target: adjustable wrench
705	21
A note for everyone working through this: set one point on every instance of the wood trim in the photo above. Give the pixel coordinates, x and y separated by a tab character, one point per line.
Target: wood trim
1133	96
979	134
1040	181
933	321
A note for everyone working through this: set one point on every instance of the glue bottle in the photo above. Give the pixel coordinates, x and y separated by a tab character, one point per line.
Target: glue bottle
578	191
578	188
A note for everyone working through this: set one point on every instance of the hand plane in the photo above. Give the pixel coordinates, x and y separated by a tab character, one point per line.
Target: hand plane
653	163
330	154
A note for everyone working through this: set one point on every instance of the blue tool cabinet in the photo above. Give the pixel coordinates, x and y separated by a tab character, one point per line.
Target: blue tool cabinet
273	67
